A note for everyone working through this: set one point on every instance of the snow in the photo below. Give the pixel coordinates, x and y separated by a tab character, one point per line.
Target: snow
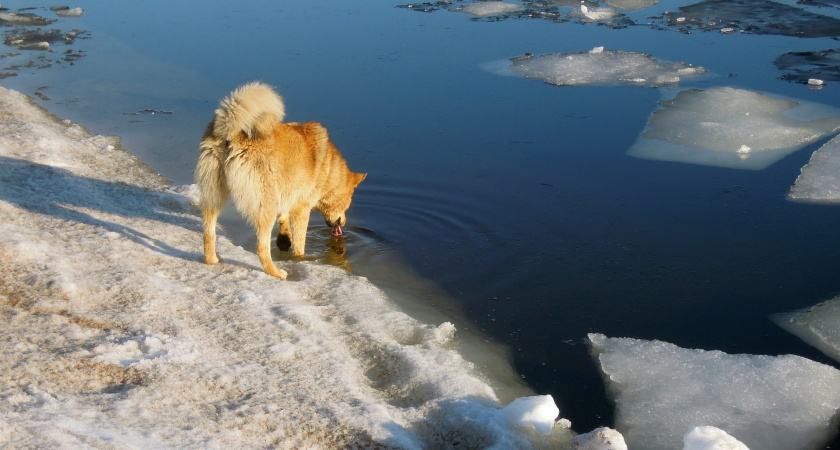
765	402
537	411
730	127
818	325
710	438
486	9
115	334
819	180
599	66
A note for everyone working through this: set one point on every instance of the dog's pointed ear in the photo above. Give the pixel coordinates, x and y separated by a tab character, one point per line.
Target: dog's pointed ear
358	178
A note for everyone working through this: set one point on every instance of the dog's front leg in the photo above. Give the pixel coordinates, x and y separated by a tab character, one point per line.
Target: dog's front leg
284	235
299	224
264	225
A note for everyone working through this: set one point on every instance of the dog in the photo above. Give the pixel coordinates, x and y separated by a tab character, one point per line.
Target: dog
272	170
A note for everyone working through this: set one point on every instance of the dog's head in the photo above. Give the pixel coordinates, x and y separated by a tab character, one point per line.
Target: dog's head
335	203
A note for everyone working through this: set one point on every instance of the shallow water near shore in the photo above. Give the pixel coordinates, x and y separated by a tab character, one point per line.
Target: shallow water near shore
508	204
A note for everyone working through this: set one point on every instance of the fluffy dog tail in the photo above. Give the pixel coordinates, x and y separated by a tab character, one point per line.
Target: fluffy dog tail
253	108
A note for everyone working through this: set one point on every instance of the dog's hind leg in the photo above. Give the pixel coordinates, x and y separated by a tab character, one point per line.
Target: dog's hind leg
299	224
264	225
214	192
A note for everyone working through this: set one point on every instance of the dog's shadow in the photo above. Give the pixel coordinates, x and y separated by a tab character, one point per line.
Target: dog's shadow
59	193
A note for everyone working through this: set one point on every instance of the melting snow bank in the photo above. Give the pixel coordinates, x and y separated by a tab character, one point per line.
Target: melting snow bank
819	180
733	128
818	325
115	334
599	66
661	390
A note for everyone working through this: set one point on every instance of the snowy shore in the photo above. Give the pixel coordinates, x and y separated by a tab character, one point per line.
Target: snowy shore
116	334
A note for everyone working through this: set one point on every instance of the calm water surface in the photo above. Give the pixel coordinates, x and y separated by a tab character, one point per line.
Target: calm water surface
512	198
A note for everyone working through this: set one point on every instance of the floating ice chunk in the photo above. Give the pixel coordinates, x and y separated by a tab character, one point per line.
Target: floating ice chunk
24	19
74	12
815	82
599	66
486	9
712	127
600	439
818	325
631	5
539	411
587	14
35	46
819	180
743	152
710	438
766	402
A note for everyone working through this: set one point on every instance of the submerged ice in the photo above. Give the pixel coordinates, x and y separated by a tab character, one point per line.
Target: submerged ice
819	326
754	16
766	402
729	127
599	66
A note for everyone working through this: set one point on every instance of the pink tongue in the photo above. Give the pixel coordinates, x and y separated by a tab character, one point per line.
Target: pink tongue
336	231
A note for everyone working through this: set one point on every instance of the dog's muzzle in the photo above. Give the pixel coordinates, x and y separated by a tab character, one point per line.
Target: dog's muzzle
336	227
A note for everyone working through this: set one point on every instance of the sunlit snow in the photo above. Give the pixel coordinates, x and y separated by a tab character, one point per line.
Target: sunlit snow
486	9
729	127
599	66
818	325
766	402
819	180
115	334
710	438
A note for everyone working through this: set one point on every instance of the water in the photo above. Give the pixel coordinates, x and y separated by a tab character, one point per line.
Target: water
503	202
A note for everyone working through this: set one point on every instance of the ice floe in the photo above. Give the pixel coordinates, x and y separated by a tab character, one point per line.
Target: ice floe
486	9
593	14
115	334
802	67
754	16
599	66
735	128
819	326
819	180
766	402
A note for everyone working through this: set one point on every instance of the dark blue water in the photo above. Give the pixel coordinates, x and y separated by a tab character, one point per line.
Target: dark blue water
512	197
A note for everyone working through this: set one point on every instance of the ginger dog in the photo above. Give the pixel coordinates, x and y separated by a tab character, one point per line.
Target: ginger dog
273	170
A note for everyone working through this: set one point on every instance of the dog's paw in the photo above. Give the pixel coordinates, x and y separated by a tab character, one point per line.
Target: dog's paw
284	242
280	273
211	259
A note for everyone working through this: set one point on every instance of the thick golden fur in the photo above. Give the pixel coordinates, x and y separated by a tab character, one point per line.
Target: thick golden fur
273	170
